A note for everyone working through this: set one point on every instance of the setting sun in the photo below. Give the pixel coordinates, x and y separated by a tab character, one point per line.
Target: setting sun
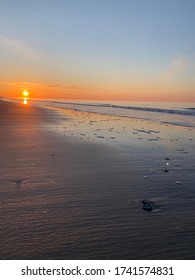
25	93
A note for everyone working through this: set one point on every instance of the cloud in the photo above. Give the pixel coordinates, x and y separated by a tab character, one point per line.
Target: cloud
74	87
13	45
24	85
176	67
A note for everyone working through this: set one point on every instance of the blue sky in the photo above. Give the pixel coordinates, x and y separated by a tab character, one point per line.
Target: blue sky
108	49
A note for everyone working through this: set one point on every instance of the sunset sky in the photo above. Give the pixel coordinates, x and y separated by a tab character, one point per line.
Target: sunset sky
98	49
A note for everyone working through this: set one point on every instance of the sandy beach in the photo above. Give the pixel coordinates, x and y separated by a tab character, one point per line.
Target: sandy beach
72	185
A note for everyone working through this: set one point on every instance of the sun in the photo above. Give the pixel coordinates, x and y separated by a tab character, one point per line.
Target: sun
25	93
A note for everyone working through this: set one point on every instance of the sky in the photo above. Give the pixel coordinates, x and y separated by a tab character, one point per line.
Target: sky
98	49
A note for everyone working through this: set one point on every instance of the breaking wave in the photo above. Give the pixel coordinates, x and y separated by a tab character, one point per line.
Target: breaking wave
177	116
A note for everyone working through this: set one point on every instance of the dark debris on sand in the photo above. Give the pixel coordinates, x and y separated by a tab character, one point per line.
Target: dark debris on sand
148	205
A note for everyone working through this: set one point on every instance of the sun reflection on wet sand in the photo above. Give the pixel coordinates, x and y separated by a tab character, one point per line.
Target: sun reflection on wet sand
25	101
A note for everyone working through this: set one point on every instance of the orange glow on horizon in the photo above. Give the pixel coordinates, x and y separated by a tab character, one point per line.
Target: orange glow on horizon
135	92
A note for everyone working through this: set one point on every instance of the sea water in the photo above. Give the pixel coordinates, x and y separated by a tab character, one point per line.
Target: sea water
181	114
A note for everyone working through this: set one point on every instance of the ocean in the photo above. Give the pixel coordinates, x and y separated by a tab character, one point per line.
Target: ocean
176	113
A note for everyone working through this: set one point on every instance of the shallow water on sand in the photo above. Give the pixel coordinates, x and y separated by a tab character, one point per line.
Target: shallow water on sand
181	114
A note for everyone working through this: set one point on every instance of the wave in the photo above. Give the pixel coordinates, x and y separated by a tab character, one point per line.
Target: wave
158	110
174	116
183	112
190	108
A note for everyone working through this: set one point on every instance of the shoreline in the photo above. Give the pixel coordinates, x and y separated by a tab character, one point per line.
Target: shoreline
64	196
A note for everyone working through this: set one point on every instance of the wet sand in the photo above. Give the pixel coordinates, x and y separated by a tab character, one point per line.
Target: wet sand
72	184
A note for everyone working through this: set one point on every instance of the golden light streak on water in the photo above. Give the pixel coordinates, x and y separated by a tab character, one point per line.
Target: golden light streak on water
25	101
